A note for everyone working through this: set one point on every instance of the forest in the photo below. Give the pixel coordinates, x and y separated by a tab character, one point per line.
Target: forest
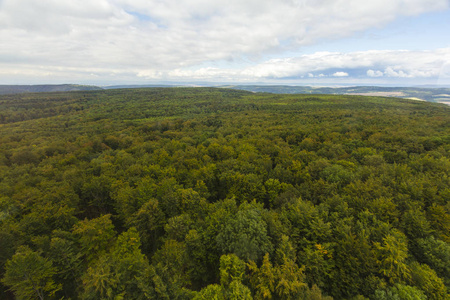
208	193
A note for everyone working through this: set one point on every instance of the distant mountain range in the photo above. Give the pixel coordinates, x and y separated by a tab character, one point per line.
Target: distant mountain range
431	94
17	89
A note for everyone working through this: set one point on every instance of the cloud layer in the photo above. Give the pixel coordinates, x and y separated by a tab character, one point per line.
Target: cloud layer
153	39
367	64
374	63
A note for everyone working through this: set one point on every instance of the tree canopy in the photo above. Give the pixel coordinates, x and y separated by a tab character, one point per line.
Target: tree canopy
204	193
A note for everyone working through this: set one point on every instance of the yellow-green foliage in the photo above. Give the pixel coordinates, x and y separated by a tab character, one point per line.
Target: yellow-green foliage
181	193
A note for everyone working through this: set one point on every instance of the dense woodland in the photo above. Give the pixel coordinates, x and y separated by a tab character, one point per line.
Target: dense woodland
201	193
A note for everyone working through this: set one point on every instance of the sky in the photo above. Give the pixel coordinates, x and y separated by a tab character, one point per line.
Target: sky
296	42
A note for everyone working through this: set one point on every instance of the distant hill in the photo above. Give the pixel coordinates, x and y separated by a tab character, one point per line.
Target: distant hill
430	94
138	86
17	89
436	94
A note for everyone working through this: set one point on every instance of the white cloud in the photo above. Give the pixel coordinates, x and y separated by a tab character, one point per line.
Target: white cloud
400	63
390	72
153	38
394	64
340	74
372	73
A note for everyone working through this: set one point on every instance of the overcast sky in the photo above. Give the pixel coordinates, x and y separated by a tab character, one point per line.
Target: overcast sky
104	42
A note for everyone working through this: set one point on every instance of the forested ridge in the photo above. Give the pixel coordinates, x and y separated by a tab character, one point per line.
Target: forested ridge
16	89
203	193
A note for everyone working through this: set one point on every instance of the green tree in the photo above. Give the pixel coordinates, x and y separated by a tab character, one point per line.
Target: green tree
399	292
67	259
238	291
436	254
439	219
149	221
95	236
231	287
307	224
414	223
206	238
29	275
426	279
263	279
290	280
100	280
284	281
354	263
120	273
393	253
171	265
318	264
231	268
129	264
314	293
245	235
211	292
